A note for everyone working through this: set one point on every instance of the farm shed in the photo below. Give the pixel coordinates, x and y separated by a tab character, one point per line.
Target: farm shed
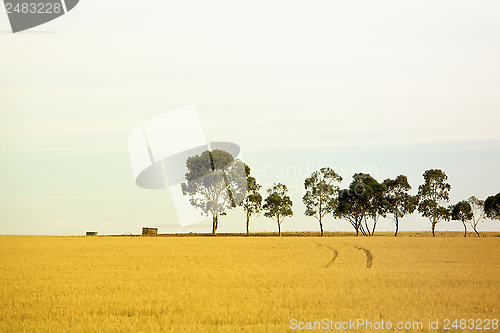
149	231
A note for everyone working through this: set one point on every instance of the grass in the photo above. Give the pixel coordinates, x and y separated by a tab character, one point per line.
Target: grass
247	284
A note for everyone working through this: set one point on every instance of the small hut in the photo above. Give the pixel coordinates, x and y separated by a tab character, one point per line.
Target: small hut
149	231
92	233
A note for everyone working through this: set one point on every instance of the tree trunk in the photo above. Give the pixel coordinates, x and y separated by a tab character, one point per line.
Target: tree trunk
361	228
465	226
248	224
397	227
367	228
215	222
475	230
434	216
321	227
279	229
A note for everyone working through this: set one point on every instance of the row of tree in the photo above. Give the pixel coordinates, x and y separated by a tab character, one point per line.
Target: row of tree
216	182
366	200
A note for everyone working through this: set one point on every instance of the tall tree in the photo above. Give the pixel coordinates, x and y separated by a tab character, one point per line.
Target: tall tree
278	204
352	206
215	183
477	206
364	199
399	202
321	194
252	203
492	207
432	194
462	212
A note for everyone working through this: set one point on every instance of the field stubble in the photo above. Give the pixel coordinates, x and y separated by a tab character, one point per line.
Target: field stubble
229	284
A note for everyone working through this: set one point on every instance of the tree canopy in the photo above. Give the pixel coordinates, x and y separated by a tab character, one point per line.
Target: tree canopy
462	212
432	194
252	203
216	182
399	202
278	204
492	207
363	200
320	198
477	206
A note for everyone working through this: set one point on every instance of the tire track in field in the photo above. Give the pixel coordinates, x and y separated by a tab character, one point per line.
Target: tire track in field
369	257
335	254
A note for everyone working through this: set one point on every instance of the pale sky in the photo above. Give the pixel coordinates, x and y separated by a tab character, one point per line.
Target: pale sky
385	87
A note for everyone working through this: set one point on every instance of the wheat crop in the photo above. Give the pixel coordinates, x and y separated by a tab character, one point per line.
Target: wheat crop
247	284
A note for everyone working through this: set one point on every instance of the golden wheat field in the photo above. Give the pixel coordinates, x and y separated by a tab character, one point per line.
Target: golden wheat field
247	284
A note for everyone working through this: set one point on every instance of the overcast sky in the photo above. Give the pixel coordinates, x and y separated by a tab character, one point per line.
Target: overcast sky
386	87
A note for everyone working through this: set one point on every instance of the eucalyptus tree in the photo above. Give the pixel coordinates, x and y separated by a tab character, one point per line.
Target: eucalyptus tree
492	207
477	206
363	200
321	194
252	203
462	212
432	194
399	202
278	204
215	182
352	206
